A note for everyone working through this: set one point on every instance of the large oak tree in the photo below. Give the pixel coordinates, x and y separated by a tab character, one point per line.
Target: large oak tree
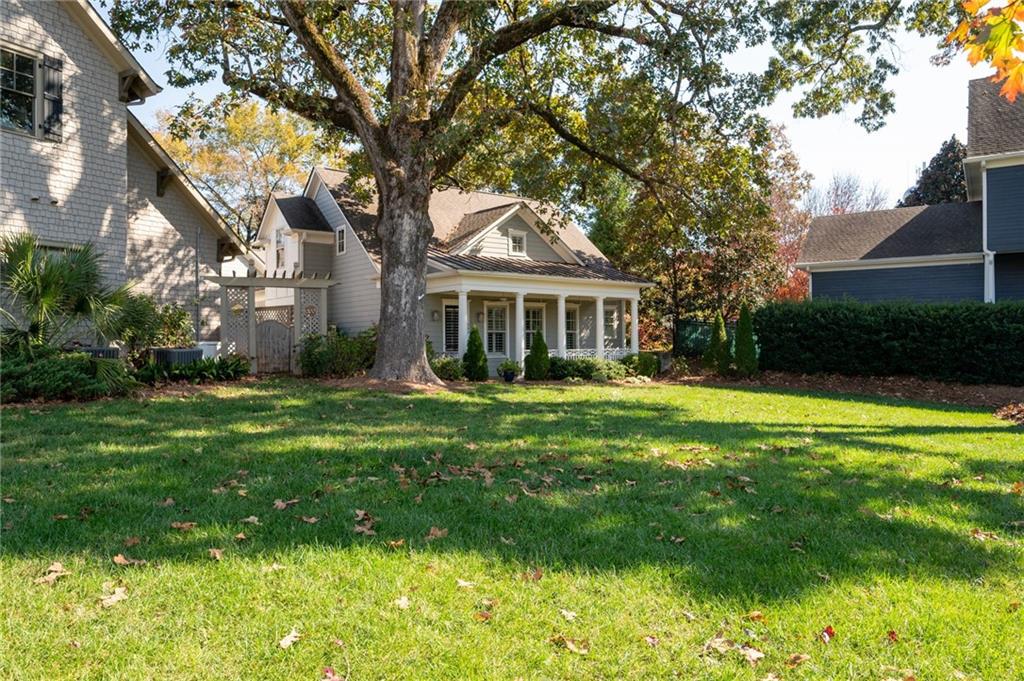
433	92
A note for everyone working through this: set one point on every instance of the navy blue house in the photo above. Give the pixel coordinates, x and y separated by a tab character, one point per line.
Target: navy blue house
944	253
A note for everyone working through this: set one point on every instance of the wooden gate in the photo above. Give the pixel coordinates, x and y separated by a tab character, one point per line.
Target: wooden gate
273	347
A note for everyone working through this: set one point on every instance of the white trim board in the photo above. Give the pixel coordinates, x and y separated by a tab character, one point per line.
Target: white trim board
892	263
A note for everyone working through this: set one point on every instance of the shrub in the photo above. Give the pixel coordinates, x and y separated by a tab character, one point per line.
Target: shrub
508	365
229	368
746	351
644	364
61	376
136	325
337	354
718	356
447	368
537	361
175	329
608	370
474	362
965	342
561	368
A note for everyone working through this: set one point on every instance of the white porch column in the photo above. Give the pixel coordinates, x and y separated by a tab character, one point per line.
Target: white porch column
520	354
561	325
634	325
599	327
463	321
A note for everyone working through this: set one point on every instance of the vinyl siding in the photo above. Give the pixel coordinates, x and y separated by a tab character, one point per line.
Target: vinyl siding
353	304
317	258
1005	209
1010	276
495	243
937	283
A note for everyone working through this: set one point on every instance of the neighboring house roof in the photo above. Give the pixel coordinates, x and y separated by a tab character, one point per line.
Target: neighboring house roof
165	162
944	229
479	263
459	216
301	212
136	83
994	124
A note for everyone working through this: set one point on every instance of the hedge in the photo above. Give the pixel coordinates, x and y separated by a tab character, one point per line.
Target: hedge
963	342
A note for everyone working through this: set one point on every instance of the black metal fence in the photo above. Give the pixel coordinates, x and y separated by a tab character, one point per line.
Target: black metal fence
692	337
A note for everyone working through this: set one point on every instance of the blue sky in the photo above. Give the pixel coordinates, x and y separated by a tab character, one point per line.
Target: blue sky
931	105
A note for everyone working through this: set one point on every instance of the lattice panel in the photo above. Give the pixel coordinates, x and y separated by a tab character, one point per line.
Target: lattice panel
309	305
236	337
278	313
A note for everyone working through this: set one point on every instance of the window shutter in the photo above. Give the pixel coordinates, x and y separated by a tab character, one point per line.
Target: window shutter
53	99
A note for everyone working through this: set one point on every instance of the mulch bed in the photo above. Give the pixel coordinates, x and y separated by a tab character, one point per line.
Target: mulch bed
904	387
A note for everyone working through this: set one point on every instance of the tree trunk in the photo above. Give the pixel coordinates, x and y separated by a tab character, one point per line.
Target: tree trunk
404	229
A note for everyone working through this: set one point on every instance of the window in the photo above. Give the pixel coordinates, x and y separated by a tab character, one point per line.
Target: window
497	328
451	328
339	240
516	243
610	337
279	245
18	85
30	92
571	328
533	322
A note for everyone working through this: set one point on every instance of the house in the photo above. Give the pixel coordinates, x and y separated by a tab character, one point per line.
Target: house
77	166
971	251
502	263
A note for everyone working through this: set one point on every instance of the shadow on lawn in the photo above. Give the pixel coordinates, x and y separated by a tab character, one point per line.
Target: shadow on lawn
606	498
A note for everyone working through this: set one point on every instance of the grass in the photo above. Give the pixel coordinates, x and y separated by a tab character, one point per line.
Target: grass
815	510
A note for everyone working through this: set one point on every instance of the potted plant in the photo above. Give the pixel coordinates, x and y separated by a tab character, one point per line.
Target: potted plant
508	370
175	338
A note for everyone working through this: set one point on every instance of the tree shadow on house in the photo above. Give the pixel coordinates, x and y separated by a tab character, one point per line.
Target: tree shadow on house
732	503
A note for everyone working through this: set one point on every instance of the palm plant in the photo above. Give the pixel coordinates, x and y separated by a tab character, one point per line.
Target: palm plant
47	293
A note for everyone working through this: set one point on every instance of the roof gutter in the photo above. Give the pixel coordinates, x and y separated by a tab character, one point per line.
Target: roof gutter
885	263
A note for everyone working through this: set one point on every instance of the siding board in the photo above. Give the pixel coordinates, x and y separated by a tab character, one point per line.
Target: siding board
932	284
1010	276
1005	196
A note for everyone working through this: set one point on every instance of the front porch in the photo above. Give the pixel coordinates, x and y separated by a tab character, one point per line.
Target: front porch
574	324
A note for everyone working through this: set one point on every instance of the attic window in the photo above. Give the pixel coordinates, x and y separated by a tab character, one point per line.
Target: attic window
339	240
516	243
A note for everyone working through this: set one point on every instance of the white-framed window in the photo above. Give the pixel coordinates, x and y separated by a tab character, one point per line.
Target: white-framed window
572	327
497	328
31	93
516	243
450	327
279	249
610	337
533	322
339	240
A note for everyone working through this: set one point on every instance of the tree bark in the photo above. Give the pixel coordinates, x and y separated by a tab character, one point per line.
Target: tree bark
404	229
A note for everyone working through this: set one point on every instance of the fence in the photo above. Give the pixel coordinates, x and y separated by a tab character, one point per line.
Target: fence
693	336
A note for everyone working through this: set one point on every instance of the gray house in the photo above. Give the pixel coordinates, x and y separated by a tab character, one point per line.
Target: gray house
943	253
510	266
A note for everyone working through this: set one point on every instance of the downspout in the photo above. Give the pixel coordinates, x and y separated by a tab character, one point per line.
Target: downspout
990	256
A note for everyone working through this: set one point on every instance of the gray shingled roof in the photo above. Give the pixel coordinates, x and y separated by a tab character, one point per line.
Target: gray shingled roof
478	263
301	212
944	229
994	125
458	216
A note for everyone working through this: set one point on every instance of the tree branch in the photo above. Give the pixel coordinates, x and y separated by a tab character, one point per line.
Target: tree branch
435	45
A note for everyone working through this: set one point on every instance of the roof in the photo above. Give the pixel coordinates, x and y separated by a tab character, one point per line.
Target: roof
448	209
162	158
478	263
142	84
944	229
301	212
994	124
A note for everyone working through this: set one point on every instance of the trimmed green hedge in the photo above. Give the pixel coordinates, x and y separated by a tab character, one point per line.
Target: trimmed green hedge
963	342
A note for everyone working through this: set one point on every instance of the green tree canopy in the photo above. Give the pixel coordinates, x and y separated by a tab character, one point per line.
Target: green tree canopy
942	180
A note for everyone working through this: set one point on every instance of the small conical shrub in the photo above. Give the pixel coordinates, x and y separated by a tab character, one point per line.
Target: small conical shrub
474	362
746	352
537	361
719	355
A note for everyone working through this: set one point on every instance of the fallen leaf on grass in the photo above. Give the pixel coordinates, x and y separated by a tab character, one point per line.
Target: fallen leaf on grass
251	520
60	516
982	535
289	640
273	567
755	616
751	654
578	646
282	505
1017	488
168	501
652	640
436	533
718	644
364	523
216	554
121	559
463	584
827	634
119	594
797	659
483	615
532	575
240	536
131	541
183	526
507	540
402	602
892	636
568	614
310	519
397	543
1013	607
53	573
331	675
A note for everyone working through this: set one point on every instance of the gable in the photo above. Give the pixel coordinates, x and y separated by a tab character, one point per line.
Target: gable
494	243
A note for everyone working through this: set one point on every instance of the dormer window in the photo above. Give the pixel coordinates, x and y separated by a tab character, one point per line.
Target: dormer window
279	248
517	243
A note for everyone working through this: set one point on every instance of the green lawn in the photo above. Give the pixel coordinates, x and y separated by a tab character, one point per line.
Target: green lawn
659	511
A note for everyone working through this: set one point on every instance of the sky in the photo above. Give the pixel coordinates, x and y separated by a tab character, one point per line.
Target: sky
931	105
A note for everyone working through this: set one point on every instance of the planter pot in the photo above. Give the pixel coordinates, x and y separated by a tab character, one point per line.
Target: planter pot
509	376
176	356
101	353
